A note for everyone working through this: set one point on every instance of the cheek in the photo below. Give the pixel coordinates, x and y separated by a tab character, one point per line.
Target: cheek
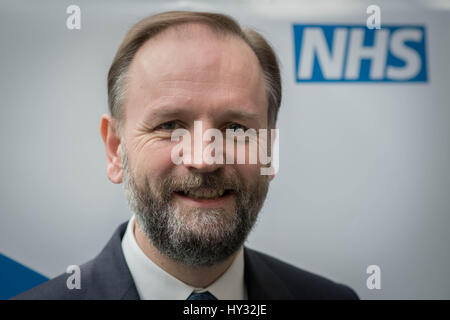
154	161
249	172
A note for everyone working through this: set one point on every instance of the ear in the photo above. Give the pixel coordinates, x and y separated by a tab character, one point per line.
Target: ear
113	148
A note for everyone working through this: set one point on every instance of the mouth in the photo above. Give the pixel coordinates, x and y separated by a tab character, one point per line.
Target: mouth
206	194
205	197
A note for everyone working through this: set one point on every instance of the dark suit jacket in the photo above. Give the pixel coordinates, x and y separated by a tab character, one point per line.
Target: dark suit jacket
107	277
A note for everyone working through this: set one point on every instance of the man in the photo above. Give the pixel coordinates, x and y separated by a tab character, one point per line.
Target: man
186	240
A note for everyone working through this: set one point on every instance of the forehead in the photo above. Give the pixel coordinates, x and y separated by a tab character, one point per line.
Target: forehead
195	66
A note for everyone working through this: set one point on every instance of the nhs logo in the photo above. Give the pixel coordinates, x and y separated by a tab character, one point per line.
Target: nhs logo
352	53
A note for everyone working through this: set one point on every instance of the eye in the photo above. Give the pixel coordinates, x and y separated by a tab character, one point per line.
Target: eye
236	126
169	125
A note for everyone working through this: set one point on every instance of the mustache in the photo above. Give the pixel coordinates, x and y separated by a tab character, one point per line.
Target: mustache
209	180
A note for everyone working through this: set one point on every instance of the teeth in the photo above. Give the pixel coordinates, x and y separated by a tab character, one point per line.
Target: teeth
204	194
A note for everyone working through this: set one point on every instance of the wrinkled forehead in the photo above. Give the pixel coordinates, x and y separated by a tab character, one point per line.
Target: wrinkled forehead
194	58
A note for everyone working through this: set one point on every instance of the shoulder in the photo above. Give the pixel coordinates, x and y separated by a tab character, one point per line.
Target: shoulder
299	283
105	277
57	288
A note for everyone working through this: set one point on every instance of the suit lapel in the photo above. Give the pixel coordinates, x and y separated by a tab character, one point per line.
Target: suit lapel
109	277
261	281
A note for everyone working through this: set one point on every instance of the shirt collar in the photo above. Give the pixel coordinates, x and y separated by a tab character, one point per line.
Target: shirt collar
154	283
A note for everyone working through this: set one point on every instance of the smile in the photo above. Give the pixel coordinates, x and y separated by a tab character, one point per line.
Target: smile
205	193
205	197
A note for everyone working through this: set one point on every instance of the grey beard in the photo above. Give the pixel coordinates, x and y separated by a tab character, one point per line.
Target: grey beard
197	237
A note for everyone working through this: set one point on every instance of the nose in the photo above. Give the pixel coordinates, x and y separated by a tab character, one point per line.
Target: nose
206	148
203	167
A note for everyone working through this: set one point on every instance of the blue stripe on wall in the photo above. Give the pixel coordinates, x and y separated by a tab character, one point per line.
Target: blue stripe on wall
15	278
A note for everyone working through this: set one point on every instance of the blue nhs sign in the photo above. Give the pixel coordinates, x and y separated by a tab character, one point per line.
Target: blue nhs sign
354	53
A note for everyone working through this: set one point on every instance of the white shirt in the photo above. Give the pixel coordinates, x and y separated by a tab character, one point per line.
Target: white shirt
154	283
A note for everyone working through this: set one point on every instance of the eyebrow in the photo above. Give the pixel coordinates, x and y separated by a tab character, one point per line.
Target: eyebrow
241	114
165	111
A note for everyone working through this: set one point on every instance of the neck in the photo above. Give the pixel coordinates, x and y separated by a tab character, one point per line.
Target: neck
195	276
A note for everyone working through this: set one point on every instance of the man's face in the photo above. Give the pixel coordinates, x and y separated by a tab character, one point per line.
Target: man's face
180	76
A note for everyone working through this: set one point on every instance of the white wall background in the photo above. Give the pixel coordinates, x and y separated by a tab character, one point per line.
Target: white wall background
364	168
